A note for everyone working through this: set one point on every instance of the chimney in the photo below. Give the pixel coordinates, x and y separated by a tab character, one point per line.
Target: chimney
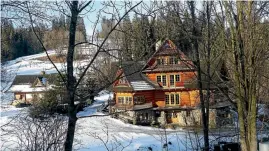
158	44
42	73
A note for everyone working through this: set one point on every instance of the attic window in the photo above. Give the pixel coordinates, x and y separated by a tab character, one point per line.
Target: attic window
122	81
173	60
160	61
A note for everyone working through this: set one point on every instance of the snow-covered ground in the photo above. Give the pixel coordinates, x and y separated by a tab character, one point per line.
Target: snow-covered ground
101	132
90	131
98	132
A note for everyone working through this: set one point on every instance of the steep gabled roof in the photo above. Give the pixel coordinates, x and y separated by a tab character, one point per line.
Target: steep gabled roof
25	83
24	79
132	71
168	48
30	79
138	81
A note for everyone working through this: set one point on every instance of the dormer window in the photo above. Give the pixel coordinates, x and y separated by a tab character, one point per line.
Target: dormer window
122	80
173	60
160	61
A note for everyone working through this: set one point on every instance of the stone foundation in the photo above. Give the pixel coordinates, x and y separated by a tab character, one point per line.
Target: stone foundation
180	118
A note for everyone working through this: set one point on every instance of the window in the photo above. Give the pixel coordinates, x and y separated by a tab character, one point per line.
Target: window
120	100
177	78
159	79
128	100
125	100
176	60
173	60
167	99
172	98
160	61
177	98
165	62
139	100
172	80
164	80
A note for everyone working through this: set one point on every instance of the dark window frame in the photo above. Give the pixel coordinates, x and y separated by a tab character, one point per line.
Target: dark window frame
177	77
177	99
172	99
121	100
159	78
172	80
164	80
167	99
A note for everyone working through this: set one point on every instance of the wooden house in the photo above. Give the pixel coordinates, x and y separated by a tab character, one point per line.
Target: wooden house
162	90
27	87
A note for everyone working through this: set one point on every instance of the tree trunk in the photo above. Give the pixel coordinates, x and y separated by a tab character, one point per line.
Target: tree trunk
199	77
208	14
244	73
71	130
71	79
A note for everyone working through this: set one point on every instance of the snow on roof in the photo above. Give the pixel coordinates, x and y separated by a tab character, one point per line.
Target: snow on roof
141	85
27	88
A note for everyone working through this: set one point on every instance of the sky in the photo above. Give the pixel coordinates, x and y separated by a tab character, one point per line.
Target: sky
91	17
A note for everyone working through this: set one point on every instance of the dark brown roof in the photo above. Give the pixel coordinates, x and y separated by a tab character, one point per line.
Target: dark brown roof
167	51
132	70
30	79
138	81
24	79
169	68
168	48
121	89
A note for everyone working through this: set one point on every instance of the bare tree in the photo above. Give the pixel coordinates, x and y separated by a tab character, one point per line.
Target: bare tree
28	133
75	9
245	49
110	141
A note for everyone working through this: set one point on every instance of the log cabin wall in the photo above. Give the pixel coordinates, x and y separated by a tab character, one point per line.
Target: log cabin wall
159	98
188	98
148	95
186	76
